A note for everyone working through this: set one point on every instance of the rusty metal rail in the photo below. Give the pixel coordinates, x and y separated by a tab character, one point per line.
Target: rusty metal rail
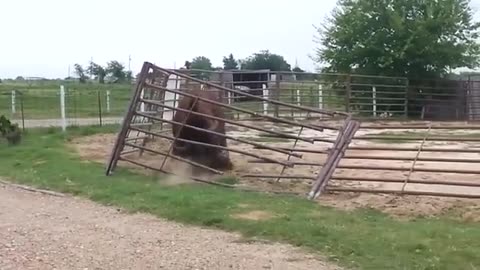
149	119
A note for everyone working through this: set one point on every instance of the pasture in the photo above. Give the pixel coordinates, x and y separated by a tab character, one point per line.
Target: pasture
42	100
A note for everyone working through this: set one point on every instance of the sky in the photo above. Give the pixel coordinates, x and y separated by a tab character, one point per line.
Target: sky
45	38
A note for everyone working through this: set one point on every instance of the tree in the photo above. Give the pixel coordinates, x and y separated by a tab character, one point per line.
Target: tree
80	72
116	70
201	62
229	62
19	78
97	71
266	60
297	69
399	37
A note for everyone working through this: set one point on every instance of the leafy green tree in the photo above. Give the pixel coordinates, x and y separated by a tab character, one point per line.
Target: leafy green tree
414	38
80	72
116	70
201	62
97	71
266	60
229	62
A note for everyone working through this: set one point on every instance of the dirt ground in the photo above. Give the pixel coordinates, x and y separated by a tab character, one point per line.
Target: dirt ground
98	148
40	231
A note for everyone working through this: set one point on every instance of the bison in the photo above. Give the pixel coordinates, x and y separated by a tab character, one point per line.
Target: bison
215	158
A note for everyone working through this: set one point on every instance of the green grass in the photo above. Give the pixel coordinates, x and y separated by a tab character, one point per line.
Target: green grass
42	101
363	239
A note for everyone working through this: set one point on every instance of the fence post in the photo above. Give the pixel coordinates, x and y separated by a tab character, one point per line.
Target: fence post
298	97
142	105
108	101
13	102
265	95
320	96
277	93
348	92
99	107
374	100
62	108
407	86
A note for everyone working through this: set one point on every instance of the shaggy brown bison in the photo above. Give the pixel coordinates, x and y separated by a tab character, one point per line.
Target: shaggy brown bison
209	156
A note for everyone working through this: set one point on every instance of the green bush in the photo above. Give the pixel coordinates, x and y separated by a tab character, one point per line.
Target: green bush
11	132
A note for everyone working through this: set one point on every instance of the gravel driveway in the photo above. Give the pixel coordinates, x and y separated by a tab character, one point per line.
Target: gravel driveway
39	231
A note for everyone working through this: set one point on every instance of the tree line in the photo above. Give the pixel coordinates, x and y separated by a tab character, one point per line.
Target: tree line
260	60
114	71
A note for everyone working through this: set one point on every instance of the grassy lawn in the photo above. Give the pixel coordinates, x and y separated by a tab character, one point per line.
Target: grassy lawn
42	101
363	239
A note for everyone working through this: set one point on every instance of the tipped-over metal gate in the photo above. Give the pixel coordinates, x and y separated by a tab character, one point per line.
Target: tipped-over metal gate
149	118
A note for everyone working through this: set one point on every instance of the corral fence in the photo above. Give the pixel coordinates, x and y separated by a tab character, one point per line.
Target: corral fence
341	155
63	106
365	97
423	161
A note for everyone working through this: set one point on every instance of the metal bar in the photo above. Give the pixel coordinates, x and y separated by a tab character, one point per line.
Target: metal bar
410	127
419	193
277	176
415	160
291	152
466	160
340	146
407	149
178	132
295	163
332	113
386	168
166	172
400	180
447	139
196	179
276	119
266	159
219	134
119	142
174	157
236	123
301	150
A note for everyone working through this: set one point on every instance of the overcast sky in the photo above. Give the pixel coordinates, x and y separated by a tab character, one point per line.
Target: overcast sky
44	38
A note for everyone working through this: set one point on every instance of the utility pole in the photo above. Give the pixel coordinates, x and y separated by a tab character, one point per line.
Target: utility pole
129	61
91	67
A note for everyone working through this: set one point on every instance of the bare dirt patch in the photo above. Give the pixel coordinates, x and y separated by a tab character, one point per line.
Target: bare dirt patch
256	215
98	147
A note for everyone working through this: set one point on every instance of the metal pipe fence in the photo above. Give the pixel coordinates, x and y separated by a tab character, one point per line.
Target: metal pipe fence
364	97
